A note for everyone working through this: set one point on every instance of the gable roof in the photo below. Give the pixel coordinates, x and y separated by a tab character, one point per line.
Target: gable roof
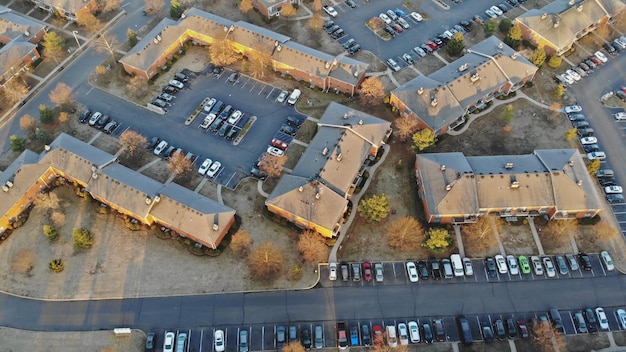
14	26
13	53
562	20
445	95
71	6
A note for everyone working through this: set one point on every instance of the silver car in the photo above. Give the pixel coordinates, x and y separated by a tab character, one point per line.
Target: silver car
378	270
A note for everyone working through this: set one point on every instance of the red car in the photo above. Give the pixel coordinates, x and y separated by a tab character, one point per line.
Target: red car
367	271
279	144
432	45
595	60
396	27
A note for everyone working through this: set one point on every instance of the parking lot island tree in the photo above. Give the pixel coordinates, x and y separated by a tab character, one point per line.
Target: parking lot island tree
480	235
272	165
15	90
241	242
423	139
107	44
372	92
405	234
266	261
593	167
555	61
62	95
293	346
538	57
178	164
259	64
132	37
132	141
505	25
374	208
559	90
508	114
53	46
405	126
490	27
438	239
456	45
557	231
312	247
46	116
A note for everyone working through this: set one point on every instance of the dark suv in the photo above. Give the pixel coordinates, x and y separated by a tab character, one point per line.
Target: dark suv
84	116
585	261
435	268
305	337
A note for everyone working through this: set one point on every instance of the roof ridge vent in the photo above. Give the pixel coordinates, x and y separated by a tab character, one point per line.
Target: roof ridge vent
508	166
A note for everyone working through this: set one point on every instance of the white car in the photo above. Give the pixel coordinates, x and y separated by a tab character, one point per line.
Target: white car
209	105
330	11
613	189
600	55
403	334
402	22
537	267
234	117
282	96
416	16
547	263
414	332
573	109
602	320
385	18
512	262
467	265
588	140
621	317
608	262
501	263
490	13
94	118
378	272
596	155
573	74
160	148
275	151
411	269
332	271
620	115
205	166
215	167
218	340
568	79
496	10
393	64
177	84
168	343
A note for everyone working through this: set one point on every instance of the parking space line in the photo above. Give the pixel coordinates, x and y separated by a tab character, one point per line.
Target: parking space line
270	93
201	335
255	83
571	319
262	89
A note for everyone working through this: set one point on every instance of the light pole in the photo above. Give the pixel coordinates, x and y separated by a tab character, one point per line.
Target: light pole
75	37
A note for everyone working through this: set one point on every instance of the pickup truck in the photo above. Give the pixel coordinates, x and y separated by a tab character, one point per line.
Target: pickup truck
342	336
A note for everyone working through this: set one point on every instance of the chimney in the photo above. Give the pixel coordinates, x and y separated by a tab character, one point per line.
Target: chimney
420	90
508	166
463	67
317	195
442	168
474	77
300	188
448	187
325	151
543	17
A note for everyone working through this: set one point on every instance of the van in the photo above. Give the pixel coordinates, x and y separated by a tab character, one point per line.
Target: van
293	98
392	340
555	317
457	265
466	333
447	268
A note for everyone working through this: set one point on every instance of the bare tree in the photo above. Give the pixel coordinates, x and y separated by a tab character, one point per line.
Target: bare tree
405	127
245	6
178	164
109	5
557	231
137	87
132	141
62	95
312	247
479	236
293	346
405	234
241	242
259	64
15	90
107	43
222	53
53	46
153	6
85	18
271	164
372	91
316	22
266	261
28	124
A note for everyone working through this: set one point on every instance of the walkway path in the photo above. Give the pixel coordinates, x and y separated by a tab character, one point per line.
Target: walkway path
494	226
259	187
332	258
533	229
156	160
459	239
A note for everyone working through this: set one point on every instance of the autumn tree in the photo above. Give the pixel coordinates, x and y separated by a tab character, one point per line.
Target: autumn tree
455	45
176	9
259	64
272	165
312	247
85	18
423	139
138	87
14	90
490	27
480	235
18	144
109	5
438	239
178	164
405	234
559	90
538	57
374	208
288	10
316	21
293	346
64	117
372	92
546	338
555	61
245	6
153	6
241	242
107	44
316	6
266	261
405	127
62	95
514	37
28	124
222	53
132	141
571	134
53	46
593	167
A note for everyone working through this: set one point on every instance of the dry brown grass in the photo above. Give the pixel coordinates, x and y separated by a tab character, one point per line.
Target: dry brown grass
23	262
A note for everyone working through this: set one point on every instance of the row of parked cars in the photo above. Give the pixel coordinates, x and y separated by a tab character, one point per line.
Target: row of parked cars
98	120
545	264
278	144
584	68
221	118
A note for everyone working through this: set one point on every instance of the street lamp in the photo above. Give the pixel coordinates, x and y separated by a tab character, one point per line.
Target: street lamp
75	37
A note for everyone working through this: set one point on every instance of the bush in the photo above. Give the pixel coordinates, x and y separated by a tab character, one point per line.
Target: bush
132	224
590	221
56	265
555	61
82	238
50	232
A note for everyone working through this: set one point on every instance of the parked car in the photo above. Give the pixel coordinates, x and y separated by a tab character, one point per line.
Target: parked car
305	337
367	271
537	267
176	84
524	264
235	117
356	271
585	261
562	264
281	337
419	51
215	167
243	340
403	23
275	151
353	49
181	77
571	261
427	333
84	116
110	127
621	318
393	64
596	155
328	24
620	115
435	268
408	59
332	271
490	265
572	109
501	263
588	140
486	331
330	10
168	342
498	328
411	269
580	124
422	269
580	323
512	263
522	329
348	43
319	337
585	132
467	267
94	118
378	270
416	16
592	321
440	334
615	198
414	332
607	261
603	322
151	341
350	3
403	334
600	55
345	272
233	77
385	18
613	189
282	96
366	339
549	266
